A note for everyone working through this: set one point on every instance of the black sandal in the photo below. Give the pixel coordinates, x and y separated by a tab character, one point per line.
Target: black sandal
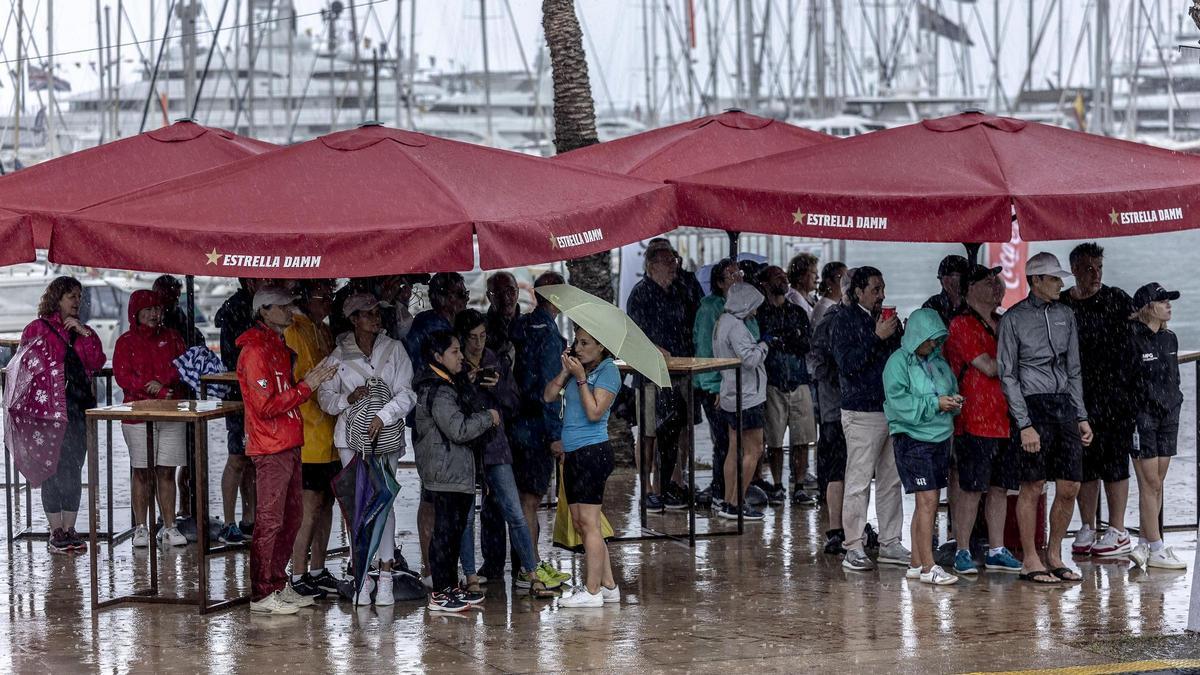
1040	577
1063	572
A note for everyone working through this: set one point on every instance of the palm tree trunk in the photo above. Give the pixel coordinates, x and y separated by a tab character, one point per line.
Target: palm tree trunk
575	127
574	121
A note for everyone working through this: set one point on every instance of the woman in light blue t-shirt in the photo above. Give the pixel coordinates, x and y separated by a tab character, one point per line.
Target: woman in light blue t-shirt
589	382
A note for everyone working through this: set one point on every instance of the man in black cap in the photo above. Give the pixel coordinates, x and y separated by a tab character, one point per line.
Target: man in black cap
1109	360
949	301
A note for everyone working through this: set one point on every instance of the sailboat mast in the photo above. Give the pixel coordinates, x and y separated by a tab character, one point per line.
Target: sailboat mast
487	71
51	135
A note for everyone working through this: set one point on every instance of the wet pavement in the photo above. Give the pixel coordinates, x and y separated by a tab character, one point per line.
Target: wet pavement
767	601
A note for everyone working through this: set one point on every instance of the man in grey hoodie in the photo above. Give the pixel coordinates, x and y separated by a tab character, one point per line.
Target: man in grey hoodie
733	339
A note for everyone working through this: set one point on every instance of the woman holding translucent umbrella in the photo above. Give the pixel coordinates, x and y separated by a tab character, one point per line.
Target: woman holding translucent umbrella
589	382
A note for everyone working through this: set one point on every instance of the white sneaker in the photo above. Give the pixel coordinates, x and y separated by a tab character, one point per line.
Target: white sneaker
581	598
273	604
364	596
610	594
383	590
913	573
291	597
1112	544
1085	537
938	577
141	537
1165	558
1140	554
171	536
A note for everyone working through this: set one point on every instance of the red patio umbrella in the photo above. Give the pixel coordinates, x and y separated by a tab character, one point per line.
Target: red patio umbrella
17	238
83	178
697	145
956	178
362	202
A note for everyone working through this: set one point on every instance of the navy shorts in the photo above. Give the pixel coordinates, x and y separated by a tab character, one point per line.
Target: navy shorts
752	418
585	471
831	454
532	468
984	463
319	477
235	434
1061	454
922	465
1158	434
1107	458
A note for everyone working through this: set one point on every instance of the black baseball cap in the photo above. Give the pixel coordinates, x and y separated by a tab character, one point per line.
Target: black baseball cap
953	264
979	273
1152	292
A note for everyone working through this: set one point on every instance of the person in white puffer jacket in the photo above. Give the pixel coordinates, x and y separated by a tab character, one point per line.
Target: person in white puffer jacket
363	353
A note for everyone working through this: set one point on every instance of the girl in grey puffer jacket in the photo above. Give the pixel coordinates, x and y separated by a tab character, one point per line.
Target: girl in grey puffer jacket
442	435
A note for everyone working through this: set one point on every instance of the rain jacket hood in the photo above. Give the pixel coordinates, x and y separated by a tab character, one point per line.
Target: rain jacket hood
742	299
912	384
138	301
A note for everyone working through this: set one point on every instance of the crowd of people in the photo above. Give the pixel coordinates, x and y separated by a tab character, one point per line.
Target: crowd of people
1072	386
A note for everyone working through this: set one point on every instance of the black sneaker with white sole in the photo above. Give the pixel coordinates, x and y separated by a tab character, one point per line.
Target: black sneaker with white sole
468	596
324	581
305	587
446	601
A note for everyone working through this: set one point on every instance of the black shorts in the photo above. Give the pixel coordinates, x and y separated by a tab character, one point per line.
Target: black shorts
1061	456
585	471
985	462
1158	434
922	465
752	418
235	434
319	477
1107	458
532	468
831	454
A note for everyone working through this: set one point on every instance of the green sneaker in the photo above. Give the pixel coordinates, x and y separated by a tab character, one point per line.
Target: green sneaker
549	570
525	580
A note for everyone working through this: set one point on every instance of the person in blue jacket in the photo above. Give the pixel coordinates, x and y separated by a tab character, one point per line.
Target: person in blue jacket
536	435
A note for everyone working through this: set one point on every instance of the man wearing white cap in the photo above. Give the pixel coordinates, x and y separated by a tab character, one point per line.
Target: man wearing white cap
1038	355
274	433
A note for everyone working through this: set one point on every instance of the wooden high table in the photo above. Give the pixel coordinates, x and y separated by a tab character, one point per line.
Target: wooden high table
197	415
683	372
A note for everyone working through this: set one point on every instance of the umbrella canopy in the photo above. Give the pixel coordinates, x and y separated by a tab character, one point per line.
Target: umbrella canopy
697	145
17	237
363	202
955	178
83	178
366	490
612	328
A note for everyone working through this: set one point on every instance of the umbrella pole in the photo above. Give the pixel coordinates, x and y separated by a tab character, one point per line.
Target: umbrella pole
733	244
972	252
190	440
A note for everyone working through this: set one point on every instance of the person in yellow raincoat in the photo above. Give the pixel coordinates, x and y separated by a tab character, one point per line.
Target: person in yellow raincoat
309	336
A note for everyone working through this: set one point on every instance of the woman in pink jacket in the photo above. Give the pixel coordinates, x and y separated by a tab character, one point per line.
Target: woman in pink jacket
50	387
143	369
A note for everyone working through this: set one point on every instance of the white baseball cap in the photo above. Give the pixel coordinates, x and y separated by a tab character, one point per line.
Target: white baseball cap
1045	264
271	296
359	302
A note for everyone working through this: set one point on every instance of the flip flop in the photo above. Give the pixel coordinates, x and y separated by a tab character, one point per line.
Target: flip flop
1063	572
1040	577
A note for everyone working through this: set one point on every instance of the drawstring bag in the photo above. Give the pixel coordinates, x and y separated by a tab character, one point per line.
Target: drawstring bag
362	413
565	535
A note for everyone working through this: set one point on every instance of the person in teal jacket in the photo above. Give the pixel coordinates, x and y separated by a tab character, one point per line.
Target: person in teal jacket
921	400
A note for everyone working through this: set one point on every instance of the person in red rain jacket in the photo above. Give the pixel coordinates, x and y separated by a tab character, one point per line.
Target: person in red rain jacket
143	369
274	434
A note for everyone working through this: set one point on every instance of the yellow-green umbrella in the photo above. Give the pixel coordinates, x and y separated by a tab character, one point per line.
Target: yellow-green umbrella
612	328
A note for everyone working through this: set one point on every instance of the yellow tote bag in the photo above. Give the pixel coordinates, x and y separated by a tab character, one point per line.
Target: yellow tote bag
565	535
